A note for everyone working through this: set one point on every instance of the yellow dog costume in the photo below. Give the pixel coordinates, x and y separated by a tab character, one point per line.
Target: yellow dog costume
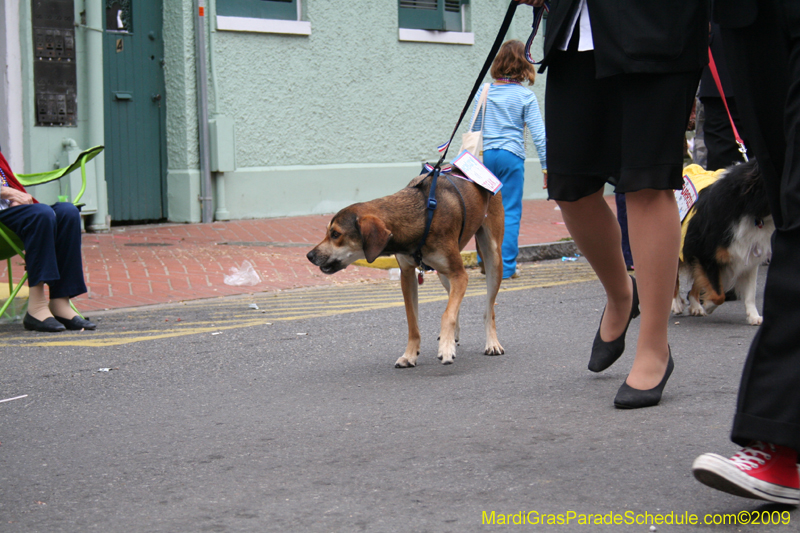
699	178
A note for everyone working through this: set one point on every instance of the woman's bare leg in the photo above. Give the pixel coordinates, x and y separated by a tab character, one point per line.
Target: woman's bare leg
596	232
655	234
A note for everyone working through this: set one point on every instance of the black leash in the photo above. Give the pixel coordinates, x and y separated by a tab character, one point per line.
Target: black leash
498	42
431	205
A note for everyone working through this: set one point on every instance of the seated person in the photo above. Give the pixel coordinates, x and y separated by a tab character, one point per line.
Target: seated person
52	237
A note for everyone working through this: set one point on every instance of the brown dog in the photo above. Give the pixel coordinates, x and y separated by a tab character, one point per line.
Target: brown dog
395	225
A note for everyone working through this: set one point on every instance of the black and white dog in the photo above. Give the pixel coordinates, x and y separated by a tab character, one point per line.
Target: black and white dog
728	237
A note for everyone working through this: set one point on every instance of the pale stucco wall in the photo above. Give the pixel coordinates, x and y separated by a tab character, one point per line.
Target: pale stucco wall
344	114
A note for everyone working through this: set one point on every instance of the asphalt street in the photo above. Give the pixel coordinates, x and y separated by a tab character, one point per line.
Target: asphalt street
284	412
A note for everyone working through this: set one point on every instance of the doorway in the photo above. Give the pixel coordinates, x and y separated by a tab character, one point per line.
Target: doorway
135	111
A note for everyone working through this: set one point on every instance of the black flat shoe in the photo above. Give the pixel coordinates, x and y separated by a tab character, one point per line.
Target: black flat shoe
48	325
76	323
630	398
605	354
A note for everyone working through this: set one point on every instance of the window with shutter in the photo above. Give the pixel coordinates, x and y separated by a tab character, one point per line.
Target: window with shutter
264	9
435	15
263	16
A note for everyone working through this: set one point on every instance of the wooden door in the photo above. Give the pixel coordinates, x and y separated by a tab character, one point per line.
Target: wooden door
135	110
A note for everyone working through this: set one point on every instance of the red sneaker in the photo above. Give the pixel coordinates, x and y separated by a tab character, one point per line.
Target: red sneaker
762	470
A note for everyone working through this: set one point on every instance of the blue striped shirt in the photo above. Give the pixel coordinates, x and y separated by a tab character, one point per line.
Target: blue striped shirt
508	108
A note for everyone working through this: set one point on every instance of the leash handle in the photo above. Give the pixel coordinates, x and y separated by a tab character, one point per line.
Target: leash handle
538	14
713	67
512	7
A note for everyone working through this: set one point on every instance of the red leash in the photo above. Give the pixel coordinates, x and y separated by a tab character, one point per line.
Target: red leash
739	141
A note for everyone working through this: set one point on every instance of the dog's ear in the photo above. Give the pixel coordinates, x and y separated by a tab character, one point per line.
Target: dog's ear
374	236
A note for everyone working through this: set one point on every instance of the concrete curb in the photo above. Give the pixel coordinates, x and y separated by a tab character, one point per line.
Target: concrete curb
527	254
550	250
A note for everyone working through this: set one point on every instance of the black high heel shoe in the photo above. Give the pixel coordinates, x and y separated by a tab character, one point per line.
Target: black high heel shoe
630	398
605	354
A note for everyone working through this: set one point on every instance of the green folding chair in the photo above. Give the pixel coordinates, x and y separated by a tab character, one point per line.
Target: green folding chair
11	245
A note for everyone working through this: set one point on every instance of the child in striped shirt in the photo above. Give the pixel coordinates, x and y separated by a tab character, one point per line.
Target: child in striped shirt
509	108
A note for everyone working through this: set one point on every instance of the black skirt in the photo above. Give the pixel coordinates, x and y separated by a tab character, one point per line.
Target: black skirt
627	129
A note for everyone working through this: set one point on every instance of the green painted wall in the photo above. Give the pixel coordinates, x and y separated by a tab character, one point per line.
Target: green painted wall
342	115
183	160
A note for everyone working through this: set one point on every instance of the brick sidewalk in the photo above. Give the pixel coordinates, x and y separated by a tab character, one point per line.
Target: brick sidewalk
144	265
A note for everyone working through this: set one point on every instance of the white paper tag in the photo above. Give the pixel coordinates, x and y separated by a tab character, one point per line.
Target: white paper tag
686	197
474	170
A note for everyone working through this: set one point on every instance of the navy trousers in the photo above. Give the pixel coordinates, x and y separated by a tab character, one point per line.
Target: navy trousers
52	237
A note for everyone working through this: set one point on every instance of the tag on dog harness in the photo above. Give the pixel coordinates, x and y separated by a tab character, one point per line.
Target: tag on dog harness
686	197
475	171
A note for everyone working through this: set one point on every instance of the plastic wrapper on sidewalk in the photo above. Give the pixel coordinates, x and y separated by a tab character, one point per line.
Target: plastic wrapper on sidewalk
244	276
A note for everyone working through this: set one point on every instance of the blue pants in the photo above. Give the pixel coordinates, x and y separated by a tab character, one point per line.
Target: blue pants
510	170
52	238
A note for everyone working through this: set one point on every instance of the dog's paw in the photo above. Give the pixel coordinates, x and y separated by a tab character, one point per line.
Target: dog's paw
696	309
493	349
447	351
404	362
754	320
678	306
447	357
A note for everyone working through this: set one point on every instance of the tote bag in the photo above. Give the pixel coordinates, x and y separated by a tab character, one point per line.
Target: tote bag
472	141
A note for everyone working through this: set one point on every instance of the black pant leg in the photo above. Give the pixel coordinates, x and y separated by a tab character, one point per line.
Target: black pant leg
35	225
765	70
68	253
768	407
718	134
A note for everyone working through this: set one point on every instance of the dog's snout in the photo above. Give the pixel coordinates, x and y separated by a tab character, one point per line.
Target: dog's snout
317	257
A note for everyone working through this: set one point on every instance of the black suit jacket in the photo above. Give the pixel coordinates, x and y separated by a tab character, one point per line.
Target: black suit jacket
637	35
707	85
735	13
